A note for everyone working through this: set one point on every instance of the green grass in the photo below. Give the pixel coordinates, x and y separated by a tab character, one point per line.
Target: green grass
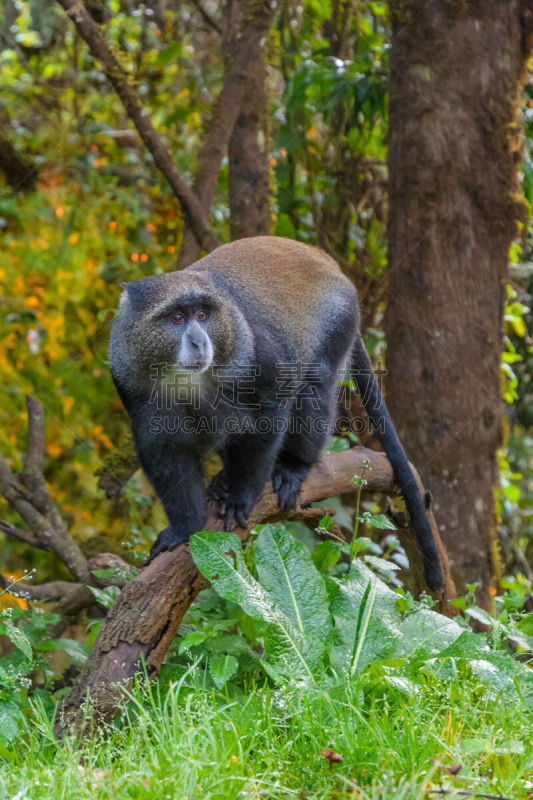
179	742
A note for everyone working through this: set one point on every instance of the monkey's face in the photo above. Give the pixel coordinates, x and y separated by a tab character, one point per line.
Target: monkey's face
194	349
170	321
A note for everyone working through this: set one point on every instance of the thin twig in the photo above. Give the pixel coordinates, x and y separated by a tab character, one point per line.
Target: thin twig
70	597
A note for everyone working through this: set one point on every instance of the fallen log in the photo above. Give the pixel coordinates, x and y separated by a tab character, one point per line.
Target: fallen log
145	618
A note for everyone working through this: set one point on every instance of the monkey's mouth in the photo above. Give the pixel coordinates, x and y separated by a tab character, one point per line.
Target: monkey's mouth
194	366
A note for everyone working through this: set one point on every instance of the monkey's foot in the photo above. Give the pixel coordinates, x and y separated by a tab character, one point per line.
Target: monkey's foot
217	491
167	540
232	506
236	507
287	480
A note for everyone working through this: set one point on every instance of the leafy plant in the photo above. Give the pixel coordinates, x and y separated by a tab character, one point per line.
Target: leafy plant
319	626
27	629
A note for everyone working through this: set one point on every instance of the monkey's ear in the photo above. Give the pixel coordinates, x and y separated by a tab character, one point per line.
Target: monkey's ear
138	292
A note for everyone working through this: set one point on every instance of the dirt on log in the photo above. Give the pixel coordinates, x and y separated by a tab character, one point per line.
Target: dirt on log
149	610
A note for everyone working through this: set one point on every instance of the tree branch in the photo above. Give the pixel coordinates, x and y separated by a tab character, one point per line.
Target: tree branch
148	613
117	76
18	533
72	596
29	496
211	21
35	448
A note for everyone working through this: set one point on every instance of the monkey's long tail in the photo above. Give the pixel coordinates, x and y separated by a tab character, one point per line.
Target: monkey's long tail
363	375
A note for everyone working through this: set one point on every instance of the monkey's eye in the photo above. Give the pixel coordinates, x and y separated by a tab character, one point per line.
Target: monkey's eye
201	315
178	318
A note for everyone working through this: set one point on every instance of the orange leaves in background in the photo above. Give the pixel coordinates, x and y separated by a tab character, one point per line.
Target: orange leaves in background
60	277
97	432
8	600
67	403
54	450
33	302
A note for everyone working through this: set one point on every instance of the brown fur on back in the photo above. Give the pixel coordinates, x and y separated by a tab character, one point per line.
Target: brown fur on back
289	284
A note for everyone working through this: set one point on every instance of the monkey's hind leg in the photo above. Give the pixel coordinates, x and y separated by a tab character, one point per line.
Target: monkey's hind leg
248	462
218	488
302	446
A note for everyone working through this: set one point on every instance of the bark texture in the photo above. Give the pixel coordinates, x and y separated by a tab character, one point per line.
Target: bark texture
248	160
147	615
455	75
248	23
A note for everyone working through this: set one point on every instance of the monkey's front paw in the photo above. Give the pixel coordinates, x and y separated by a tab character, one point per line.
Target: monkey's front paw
217	491
287	482
167	540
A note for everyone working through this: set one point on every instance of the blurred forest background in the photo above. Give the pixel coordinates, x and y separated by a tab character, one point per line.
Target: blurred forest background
277	117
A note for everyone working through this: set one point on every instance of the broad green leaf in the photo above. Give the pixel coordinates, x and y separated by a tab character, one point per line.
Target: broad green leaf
191	640
10	719
326	555
525	625
386	568
480	615
19	639
106	597
403	684
427	631
286	570
380	521
360	544
378	630
222	668
219	557
76	650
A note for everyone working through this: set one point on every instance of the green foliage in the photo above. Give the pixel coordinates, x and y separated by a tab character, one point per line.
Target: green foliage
331	142
318	625
185	741
24	666
343	657
275	664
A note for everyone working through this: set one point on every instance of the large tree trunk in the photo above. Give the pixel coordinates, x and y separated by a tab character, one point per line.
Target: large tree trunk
455	75
248	173
247	24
